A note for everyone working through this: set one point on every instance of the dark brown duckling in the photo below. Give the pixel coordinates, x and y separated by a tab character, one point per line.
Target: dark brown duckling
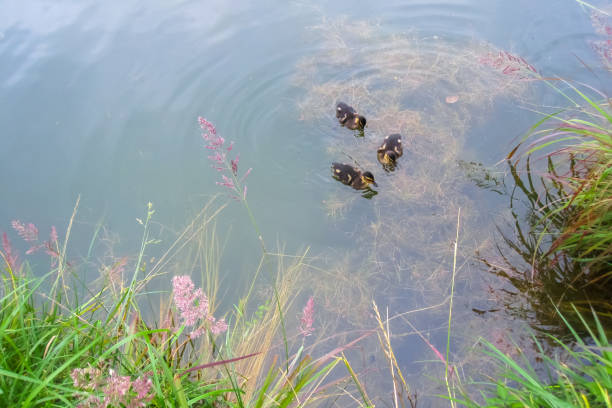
390	150
349	175
347	116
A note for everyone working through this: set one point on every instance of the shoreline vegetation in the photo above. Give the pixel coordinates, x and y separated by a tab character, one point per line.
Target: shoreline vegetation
65	342
62	346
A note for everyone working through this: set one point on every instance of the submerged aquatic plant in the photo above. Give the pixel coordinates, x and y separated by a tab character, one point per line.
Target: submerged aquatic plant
509	64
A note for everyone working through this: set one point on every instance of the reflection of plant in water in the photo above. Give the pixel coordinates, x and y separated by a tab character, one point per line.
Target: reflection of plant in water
543	278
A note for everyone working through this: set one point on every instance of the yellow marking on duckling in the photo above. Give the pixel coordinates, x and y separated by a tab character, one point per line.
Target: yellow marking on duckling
384	146
349	177
337	170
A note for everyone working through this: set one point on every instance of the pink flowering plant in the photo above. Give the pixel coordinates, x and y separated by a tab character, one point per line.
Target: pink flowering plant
603	46
307	318
11	259
29	233
193	307
228	167
223	162
113	390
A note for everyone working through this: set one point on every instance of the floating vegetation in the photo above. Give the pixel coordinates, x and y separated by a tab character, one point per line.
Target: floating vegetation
432	91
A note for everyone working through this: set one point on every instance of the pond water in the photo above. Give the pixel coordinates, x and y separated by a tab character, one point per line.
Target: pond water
102	100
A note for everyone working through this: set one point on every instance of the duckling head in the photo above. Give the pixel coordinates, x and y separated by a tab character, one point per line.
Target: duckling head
368	178
359	122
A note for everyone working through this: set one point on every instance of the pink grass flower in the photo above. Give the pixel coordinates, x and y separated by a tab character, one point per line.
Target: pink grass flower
51	250
53	235
28	232
193	307
307	318
191	303
209	127
91	401
217	157
88	378
142	387
221	162
227	182
116	389
234	164
10	256
603	47
114	273
217	327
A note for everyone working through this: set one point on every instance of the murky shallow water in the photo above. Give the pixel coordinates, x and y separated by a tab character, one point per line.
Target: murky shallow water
102	102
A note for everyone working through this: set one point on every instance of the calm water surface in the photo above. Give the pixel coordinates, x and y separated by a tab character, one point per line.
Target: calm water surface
101	100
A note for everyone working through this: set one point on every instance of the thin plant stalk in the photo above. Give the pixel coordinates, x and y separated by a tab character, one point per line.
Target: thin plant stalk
450	313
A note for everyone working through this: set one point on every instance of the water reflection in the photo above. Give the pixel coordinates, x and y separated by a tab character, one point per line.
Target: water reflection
544	282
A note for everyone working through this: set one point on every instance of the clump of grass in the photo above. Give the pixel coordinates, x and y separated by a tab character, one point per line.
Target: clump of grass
567	246
101	351
581	377
93	351
581	169
97	348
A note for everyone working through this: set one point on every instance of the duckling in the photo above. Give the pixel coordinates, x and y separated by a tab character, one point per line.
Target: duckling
347	116
390	150
349	175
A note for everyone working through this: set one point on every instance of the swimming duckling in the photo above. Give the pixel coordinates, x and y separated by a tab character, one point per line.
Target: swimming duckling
349	175
390	150
347	116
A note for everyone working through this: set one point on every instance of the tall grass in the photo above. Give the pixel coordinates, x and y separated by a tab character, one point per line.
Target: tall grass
97	348
581	164
60	353
580	377
569	242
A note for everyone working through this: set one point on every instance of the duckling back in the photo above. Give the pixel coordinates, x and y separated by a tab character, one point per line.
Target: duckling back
347	116
349	175
345	173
